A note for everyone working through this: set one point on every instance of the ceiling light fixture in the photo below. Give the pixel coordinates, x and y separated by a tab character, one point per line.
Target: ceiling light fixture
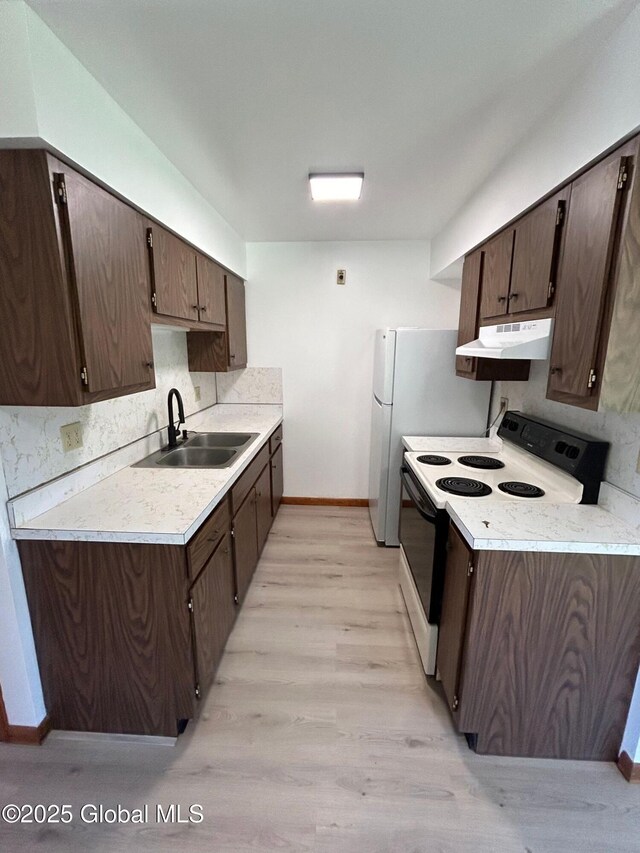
336	186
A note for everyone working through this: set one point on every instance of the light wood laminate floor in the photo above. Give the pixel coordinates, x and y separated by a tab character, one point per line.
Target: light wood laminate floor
322	734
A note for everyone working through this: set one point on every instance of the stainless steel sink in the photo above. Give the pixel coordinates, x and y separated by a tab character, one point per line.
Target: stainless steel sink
202	450
198	457
221	439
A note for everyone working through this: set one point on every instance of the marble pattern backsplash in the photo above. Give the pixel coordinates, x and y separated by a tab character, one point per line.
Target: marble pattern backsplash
621	430
30	444
251	385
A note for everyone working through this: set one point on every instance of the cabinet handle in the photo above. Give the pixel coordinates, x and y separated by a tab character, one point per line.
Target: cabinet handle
513	296
148	364
502	298
215	537
195	307
555	370
203	307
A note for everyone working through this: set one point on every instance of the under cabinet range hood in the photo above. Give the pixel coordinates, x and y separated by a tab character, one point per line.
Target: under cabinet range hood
529	339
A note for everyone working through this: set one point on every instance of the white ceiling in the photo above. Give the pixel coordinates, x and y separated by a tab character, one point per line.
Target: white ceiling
247	96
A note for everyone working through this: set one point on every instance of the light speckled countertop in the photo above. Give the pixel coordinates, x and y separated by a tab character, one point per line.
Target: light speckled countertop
516	526
155	505
459	444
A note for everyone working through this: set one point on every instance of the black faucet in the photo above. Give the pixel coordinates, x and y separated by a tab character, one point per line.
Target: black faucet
174	433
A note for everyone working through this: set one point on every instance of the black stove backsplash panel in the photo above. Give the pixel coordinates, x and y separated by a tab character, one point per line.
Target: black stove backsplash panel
578	454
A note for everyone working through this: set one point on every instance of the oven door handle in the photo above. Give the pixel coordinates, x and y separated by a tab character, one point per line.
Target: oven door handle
416	497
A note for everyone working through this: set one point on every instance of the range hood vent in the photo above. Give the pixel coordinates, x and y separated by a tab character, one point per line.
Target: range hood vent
529	339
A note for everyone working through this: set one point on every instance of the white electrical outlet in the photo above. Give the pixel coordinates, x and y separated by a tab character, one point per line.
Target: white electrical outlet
197	394
71	435
341	277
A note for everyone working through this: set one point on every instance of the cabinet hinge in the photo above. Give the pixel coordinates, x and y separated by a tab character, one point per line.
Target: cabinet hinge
154	299
623	174
560	213
470	568
455	703
236	600
61	189
550	290
150	238
233	533
190	604
197	691
592	378
84	375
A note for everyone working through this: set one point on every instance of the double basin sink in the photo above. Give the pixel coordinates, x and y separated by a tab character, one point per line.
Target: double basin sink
201	450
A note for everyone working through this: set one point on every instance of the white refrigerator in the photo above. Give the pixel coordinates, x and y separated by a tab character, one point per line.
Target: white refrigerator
415	392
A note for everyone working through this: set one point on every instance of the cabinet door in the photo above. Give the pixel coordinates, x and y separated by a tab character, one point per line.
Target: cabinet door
245	544
496	275
213	612
453	620
211	301
109	268
263	506
173	268
236	322
535	254
468	323
277	487
583	278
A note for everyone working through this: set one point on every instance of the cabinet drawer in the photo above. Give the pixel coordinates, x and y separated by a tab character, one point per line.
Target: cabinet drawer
240	490
276	440
203	544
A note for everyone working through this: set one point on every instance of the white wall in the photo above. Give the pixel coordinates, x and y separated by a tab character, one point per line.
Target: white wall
19	674
78	118
599	109
17	101
322	335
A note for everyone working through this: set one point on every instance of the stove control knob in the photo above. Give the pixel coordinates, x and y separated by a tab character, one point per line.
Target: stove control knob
561	446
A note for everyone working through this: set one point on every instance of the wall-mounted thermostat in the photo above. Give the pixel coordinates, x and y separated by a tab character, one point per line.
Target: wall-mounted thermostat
341	277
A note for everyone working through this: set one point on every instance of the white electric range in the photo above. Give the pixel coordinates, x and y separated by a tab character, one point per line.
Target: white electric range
530	461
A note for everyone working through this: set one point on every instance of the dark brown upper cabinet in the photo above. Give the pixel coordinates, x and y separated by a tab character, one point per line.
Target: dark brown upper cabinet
236	322
520	263
219	352
535	255
468	367
174	278
211	298
586	279
74	295
496	275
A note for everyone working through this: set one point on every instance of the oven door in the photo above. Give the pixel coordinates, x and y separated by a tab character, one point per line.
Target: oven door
423	536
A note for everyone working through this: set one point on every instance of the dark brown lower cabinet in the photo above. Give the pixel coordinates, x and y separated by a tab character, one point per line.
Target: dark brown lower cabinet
277	485
538	652
129	636
245	544
112	634
263	506
454	616
213	612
